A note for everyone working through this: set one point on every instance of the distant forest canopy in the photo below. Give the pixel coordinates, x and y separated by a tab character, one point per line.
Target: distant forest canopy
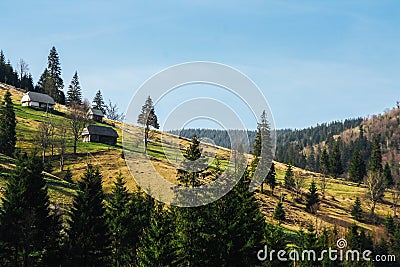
341	140
305	137
220	137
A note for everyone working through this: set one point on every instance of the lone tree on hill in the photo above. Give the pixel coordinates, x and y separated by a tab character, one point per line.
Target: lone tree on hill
148	119
74	93
8	124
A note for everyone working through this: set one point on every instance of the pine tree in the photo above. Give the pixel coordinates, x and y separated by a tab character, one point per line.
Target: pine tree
325	162
8	124
54	72
279	212
312	198
156	246
375	161
223	233
148	119
336	167
98	102
89	234
141	207
29	232
357	169
271	178
289	180
387	174
74	93
356	210
193	164
43	82
120	222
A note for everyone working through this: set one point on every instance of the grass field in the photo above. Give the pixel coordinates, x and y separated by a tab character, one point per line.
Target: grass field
164	151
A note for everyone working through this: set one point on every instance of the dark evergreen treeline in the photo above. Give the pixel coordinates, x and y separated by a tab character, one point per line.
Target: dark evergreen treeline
18	77
132	229
290	144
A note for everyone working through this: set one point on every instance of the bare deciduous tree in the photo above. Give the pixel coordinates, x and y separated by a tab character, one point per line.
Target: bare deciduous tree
43	137
375	183
299	183
62	138
23	68
112	112
322	184
78	120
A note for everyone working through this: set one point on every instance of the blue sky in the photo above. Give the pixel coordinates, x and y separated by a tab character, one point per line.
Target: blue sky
315	61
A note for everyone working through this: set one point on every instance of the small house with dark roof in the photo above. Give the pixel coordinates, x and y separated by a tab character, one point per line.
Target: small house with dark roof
100	134
95	115
37	100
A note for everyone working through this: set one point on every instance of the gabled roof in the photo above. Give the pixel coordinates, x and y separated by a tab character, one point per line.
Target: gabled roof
96	112
38	97
100	130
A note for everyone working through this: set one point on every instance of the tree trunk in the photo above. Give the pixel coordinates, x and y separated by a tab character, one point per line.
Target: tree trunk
373	209
146	136
262	188
61	162
74	146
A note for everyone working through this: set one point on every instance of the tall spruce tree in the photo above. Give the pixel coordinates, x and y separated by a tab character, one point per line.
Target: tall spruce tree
312	198
226	232
375	161
325	162
89	239
336	166
98	102
74	93
387	174
54	72
148	119
357	169
120	219
156	245
356	210
193	164
289	179
29	231
8	124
